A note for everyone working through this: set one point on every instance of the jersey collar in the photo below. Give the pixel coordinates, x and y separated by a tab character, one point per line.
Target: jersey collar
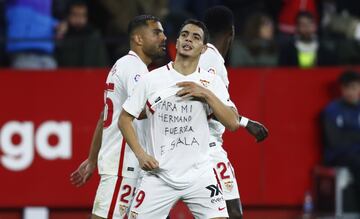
169	67
132	53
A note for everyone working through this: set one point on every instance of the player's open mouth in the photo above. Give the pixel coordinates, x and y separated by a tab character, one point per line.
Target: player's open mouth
187	47
163	47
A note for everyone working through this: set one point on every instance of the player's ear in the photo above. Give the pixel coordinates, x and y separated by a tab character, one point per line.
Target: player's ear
138	39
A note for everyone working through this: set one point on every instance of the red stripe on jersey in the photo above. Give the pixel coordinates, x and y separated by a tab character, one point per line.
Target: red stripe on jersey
109	86
118	181
167	66
217	179
149	106
114	197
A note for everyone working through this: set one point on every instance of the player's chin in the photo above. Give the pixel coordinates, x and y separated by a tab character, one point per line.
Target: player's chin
185	53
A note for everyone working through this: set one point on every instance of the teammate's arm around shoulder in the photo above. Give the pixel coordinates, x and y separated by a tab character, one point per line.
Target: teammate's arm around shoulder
146	161
225	114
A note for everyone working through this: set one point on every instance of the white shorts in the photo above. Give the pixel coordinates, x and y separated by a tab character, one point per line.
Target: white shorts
154	198
226	175
114	196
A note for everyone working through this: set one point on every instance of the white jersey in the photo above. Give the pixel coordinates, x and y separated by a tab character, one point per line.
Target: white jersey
213	62
179	132
115	156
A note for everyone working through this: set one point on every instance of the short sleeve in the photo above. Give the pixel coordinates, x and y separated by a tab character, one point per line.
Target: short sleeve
219	89
129	77
135	103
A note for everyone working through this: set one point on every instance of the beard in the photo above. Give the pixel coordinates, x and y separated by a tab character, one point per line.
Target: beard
155	52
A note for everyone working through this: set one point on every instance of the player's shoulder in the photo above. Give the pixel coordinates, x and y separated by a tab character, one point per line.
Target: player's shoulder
129	63
130	60
158	72
211	54
211	60
205	75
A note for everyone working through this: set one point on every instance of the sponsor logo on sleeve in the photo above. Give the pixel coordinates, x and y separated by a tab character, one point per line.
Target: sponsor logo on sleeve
137	77
212	70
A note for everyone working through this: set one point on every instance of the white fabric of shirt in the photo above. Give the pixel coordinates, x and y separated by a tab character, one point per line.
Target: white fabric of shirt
179	132
213	62
124	75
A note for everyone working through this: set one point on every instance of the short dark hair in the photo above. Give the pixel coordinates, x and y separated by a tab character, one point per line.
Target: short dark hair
75	3
306	14
348	77
140	21
218	20
199	24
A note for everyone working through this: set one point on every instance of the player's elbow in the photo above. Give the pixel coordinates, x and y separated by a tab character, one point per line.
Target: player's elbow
233	126
124	120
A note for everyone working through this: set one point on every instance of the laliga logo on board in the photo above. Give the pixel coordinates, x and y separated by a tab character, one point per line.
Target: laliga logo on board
19	141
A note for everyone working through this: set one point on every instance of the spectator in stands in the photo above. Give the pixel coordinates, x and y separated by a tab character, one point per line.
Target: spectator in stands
258	47
341	20
341	124
342	17
80	45
287	16
113	17
305	50
30	32
243	9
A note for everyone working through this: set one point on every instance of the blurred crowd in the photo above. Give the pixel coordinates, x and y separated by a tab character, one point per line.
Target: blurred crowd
46	34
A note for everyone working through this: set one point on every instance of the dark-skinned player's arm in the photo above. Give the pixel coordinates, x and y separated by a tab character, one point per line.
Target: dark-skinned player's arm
256	129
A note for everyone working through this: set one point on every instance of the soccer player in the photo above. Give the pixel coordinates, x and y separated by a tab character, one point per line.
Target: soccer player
220	23
117	165
179	97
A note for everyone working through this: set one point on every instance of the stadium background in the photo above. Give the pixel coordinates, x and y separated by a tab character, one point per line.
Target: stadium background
47	117
275	173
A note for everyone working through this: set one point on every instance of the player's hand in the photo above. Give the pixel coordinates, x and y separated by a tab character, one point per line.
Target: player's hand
61	30
147	162
192	89
83	173
258	130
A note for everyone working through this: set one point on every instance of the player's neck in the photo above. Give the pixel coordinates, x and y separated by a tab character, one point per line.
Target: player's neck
221	46
185	65
146	59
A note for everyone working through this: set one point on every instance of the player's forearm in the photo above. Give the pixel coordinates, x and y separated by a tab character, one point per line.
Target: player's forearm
224	114
96	140
127	129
